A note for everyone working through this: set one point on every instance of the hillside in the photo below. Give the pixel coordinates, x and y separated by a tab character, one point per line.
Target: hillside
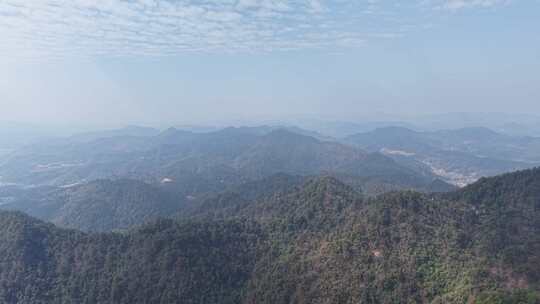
101	205
318	241
163	263
109	205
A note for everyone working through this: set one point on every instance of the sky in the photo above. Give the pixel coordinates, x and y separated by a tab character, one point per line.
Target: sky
192	61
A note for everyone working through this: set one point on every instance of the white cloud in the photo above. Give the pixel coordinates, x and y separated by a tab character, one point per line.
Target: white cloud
461	4
63	28
316	6
151	27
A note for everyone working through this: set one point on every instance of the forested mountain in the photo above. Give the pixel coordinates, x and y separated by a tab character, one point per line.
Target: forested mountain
318	241
108	205
459	156
126	131
163	263
101	205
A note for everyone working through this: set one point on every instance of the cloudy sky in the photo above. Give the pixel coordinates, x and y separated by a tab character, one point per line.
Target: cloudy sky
195	61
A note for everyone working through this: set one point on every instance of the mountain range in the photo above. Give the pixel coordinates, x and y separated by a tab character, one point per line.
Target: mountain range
119	179
130	176
197	162
193	163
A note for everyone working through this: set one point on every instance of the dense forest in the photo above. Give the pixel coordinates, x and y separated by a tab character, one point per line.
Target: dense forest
315	241
99	206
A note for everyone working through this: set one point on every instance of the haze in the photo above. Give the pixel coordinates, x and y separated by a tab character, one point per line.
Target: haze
174	62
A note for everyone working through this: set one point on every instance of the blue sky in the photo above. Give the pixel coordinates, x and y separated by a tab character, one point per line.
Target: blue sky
173	62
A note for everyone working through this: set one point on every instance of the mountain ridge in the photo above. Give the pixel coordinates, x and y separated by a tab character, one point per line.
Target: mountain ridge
318	242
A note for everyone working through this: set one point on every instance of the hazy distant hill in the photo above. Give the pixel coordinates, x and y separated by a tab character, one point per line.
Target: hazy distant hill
317	242
505	123
341	129
15	135
126	131
459	156
206	161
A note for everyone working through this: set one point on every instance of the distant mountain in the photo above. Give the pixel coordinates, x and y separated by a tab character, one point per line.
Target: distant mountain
318	241
341	129
126	131
506	123
284	151
459	156
15	135
194	163
249	157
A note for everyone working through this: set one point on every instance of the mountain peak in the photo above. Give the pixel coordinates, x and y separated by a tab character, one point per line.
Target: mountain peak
473	133
326	188
385	133
285	135
394	129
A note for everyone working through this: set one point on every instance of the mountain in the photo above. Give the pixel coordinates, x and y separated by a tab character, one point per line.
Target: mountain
458	156
478	141
164	263
126	131
310	196
195	163
341	129
109	205
283	151
246	193
101	205
330	245
14	135
506	123
116	205
242	156
318	241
